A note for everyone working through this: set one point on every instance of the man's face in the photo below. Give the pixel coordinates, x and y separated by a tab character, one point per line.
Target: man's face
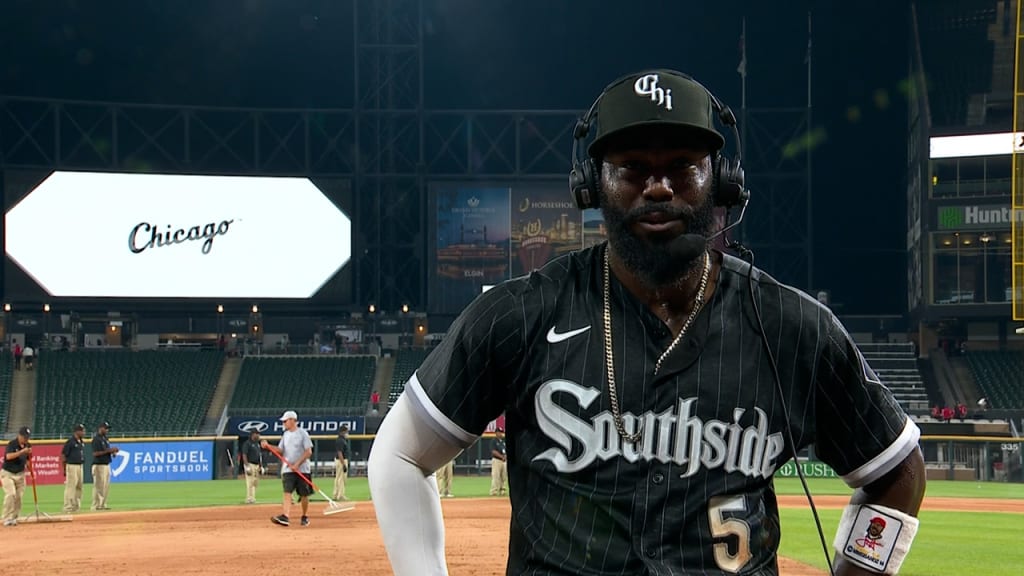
655	187
255	436
102	431
79	434
22	439
290	424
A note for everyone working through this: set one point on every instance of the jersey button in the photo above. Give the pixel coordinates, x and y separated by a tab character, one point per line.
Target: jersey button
659	478
651	553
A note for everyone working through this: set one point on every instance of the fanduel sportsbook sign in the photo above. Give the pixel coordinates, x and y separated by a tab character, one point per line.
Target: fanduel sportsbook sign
162	462
270	425
178	236
976	217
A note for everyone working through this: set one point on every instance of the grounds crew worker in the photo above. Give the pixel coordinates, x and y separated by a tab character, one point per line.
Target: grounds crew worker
12	474
102	453
252	463
72	457
343	449
499	471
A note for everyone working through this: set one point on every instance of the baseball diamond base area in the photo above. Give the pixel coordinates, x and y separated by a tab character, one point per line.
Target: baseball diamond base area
241	539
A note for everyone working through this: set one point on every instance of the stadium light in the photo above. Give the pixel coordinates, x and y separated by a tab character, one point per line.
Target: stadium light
1020	330
405	308
255	309
220	308
7	307
46	307
372	308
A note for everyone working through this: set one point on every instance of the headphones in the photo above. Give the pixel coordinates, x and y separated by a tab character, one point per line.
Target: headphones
727	189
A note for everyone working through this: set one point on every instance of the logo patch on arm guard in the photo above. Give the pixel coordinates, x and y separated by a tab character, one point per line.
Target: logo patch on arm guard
871	541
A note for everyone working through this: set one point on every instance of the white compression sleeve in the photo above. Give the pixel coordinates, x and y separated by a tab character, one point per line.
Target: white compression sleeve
405	454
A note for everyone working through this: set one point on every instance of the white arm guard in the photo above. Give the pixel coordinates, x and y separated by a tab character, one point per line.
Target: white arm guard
404	456
875	537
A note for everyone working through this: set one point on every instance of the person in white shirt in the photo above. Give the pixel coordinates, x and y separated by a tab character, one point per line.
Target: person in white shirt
297	448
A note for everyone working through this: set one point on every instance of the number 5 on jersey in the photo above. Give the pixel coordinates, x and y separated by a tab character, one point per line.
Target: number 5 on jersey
723	527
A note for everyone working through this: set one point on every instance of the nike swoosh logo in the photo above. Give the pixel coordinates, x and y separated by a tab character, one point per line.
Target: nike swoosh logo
556	337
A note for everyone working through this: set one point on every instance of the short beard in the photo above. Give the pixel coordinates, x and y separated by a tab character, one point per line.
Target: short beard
652	259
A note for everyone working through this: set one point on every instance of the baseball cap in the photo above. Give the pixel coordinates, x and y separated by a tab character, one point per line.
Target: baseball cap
79	427
24	431
656	97
289	414
105	424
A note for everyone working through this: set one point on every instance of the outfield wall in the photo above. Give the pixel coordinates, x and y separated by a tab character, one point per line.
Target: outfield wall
966	458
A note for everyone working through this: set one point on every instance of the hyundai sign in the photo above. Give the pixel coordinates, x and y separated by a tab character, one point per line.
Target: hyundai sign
271	425
178	236
162	462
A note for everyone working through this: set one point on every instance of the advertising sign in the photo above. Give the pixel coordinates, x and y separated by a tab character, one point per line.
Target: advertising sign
472	243
545	225
594	231
177	236
810	468
46	462
271	425
162	462
977	217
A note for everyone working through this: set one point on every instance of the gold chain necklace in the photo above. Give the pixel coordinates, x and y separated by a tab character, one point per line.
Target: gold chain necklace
613	396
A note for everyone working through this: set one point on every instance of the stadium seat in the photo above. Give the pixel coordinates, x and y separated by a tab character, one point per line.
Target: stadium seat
142	393
998	375
406	362
311	384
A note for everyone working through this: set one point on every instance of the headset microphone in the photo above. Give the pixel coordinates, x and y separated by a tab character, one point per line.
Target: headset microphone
687	247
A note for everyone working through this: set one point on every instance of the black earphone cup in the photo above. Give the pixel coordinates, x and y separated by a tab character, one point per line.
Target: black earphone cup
728	183
584	184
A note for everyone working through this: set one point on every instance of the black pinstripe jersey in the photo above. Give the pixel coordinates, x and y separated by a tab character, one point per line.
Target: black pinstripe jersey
694	495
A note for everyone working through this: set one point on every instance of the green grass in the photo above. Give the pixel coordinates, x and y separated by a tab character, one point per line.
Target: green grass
944	488
967	543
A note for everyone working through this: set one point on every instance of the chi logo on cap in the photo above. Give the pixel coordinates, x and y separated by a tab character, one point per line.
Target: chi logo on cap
647	86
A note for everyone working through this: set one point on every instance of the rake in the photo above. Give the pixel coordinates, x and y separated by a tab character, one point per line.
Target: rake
332	506
38	516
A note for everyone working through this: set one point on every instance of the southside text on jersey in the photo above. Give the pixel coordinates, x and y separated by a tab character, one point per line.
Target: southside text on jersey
674	435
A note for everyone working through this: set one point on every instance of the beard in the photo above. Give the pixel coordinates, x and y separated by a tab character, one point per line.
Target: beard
651	258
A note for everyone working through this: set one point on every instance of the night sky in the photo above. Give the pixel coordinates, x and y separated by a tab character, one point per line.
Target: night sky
526	54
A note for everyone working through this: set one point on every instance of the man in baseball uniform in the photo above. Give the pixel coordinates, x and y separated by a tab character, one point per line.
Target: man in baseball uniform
297	448
652	384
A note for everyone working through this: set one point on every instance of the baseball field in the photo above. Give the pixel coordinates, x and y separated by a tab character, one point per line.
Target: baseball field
201	528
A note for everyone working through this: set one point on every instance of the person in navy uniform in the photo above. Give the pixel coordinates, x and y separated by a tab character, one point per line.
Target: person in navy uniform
102	454
72	459
12	474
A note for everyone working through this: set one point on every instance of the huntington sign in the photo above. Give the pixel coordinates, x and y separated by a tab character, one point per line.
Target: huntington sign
976	217
177	236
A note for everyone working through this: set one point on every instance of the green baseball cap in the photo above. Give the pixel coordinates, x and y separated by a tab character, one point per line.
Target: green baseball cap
656	97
